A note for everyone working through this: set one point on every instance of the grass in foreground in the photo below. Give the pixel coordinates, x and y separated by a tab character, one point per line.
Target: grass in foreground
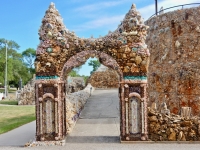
12	117
9	102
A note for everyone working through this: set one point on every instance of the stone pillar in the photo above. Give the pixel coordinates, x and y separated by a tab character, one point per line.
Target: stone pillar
50	110
134	110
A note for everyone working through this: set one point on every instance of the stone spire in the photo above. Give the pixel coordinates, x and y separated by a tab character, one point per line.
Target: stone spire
52	32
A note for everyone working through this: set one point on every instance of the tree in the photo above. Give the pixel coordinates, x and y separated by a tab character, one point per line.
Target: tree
74	73
16	68
29	58
95	64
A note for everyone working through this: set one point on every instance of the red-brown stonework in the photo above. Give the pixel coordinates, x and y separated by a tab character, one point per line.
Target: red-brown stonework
173	40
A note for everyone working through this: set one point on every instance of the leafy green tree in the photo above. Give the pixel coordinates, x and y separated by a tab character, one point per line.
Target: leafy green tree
95	64
29	58
16	69
74	73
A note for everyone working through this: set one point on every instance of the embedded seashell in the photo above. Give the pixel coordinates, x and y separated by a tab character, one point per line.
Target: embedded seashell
49	34
37	66
132	59
49	26
144	62
129	64
167	29
155	27
121	50
133	6
132	54
126	69
48	64
53	54
56	49
177	44
59	38
114	50
144	45
124	33
134	68
138	60
133	33
164	18
124	56
134	49
93	55
161	31
197	29
50	59
49	50
143	68
127	49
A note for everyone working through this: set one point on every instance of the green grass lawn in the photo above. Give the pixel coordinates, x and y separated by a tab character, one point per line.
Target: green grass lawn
11	90
12	117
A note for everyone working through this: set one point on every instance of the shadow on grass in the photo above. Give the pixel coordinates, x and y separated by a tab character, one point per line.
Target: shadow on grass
9	102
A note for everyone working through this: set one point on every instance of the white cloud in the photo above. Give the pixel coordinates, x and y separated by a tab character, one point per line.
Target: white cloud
99	6
113	21
149	10
101	22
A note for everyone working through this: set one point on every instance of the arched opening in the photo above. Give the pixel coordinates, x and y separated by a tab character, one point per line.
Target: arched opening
82	57
76	61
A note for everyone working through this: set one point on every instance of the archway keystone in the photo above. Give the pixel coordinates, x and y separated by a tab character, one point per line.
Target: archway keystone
124	50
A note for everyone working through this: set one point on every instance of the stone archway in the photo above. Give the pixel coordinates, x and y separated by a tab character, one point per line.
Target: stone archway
124	50
81	58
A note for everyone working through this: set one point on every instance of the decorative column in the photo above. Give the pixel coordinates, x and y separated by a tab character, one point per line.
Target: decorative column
133	59
134	110
50	110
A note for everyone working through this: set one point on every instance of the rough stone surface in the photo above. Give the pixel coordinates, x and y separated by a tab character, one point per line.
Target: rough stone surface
60	50
163	127
75	84
104	78
126	44
74	104
27	94
173	40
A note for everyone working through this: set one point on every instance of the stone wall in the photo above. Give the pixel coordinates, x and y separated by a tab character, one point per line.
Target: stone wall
173	40
74	84
104	77
164	126
74	104
27	94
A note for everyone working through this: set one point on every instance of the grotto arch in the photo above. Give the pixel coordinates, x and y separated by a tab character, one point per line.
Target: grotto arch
60	50
81	58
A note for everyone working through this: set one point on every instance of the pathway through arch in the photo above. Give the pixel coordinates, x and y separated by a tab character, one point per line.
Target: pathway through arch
99	120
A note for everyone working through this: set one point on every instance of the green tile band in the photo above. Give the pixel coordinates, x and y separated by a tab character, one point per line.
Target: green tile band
46	77
135	77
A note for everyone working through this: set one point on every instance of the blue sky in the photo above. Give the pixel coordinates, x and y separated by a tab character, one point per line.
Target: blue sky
21	19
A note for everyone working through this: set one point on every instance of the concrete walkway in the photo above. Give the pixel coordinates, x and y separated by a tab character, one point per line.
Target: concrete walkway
99	120
97	129
19	136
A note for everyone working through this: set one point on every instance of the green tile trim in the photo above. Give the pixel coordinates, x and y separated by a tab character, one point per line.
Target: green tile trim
46	77
135	77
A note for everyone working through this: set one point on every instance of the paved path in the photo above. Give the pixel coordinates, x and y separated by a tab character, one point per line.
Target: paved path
99	120
97	129
18	136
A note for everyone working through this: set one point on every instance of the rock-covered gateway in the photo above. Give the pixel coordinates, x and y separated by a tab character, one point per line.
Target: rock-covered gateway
123	50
